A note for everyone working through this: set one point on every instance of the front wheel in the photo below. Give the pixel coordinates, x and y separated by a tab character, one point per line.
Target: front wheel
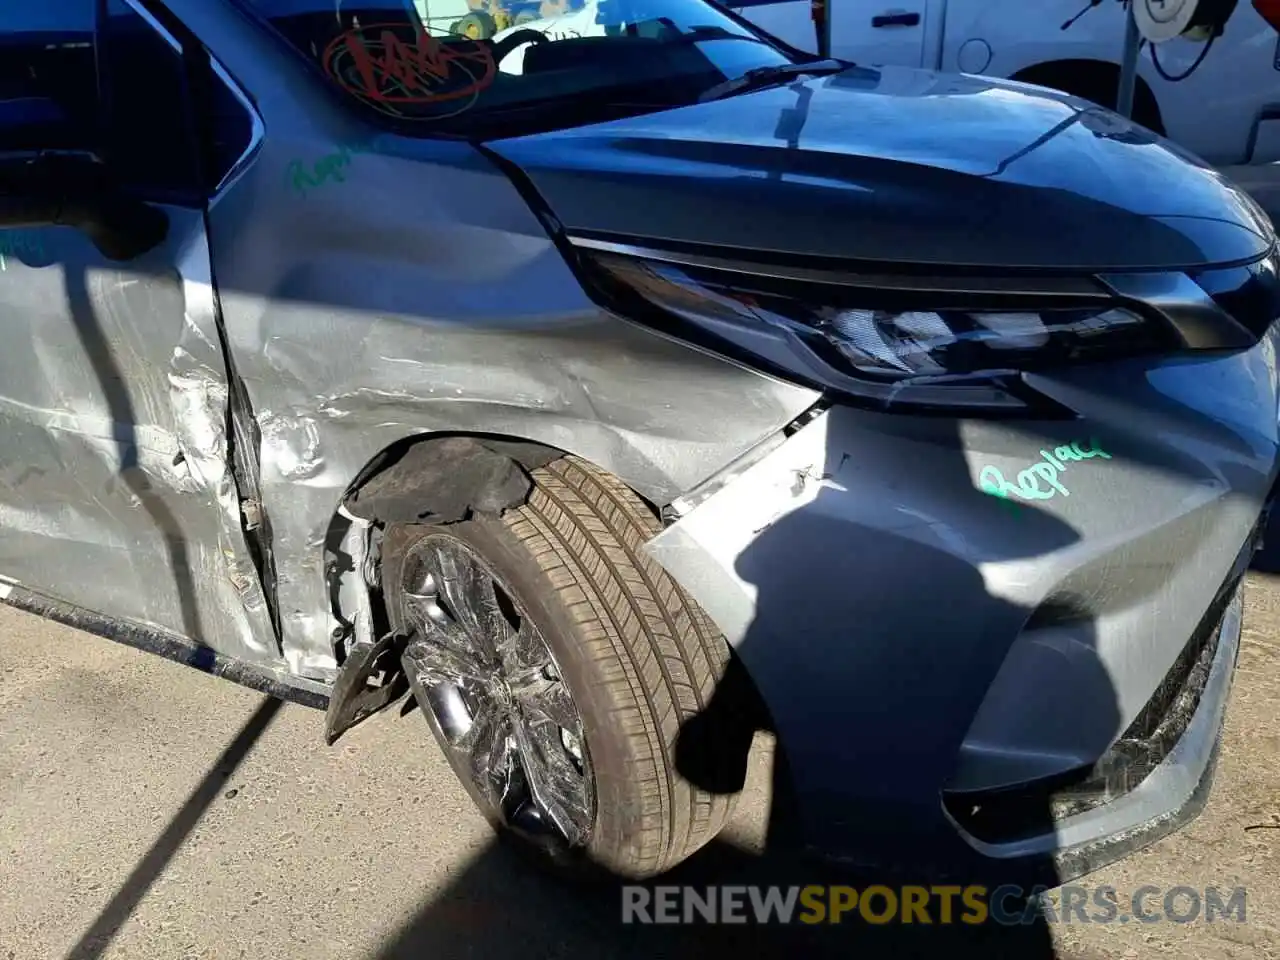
556	664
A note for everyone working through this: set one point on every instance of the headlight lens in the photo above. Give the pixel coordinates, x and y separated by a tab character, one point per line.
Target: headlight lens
915	343
844	338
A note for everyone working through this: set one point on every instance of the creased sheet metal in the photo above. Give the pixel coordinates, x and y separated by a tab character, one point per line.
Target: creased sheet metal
393	312
115	492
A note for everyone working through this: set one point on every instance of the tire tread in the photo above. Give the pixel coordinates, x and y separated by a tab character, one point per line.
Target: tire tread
659	654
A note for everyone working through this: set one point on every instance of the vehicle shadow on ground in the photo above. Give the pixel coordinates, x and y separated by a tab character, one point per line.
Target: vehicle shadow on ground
95	941
501	907
874	681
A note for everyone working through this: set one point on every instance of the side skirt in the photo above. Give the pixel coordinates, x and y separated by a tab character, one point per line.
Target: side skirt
308	693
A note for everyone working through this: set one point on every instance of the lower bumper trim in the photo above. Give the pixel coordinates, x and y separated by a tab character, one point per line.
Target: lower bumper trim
1173	794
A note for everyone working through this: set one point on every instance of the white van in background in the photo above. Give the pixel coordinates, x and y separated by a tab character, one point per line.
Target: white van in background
1227	110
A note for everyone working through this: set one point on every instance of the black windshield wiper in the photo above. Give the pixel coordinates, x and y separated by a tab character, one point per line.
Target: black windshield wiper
760	77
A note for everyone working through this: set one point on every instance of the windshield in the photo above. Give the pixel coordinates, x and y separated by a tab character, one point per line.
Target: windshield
489	67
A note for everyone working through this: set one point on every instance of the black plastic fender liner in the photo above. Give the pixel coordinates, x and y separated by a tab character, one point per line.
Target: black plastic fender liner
435	480
441	480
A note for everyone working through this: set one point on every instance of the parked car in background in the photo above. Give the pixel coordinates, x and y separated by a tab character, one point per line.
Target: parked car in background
675	386
1227	111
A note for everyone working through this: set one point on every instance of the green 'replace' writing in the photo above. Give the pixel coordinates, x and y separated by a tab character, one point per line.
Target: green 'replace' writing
1043	479
332	166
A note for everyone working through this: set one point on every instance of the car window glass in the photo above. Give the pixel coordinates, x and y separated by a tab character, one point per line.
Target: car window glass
230	125
475	66
48	89
113	85
149	135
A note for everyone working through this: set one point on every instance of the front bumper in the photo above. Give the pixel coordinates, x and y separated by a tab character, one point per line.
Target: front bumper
923	648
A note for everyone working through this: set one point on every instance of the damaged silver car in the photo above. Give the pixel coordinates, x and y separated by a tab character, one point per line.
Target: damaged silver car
620	395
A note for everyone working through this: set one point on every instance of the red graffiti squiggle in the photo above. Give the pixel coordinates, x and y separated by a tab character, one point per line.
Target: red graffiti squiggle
382	64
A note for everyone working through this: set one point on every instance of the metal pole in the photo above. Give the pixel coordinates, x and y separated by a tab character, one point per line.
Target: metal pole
1128	63
820	13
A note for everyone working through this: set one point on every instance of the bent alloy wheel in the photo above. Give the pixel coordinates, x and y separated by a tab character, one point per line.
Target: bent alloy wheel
556	664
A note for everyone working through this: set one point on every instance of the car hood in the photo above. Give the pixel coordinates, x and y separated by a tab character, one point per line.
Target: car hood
897	165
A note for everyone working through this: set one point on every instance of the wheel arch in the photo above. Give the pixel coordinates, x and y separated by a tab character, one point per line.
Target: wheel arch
657	464
396	471
437	478
442	476
415	480
1095	80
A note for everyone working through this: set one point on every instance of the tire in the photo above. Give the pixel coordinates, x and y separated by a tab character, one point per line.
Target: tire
477	25
638	658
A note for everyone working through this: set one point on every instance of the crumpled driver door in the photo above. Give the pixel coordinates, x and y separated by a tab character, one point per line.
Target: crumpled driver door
117	493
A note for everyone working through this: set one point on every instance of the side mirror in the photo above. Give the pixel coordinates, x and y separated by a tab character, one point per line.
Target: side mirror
74	190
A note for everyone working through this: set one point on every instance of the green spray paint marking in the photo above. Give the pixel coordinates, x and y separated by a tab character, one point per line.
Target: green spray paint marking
329	167
1046	471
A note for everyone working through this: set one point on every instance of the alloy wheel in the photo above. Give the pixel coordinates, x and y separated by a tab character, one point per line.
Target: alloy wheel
486	677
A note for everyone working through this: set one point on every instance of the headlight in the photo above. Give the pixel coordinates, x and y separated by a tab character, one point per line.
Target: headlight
935	342
937	349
